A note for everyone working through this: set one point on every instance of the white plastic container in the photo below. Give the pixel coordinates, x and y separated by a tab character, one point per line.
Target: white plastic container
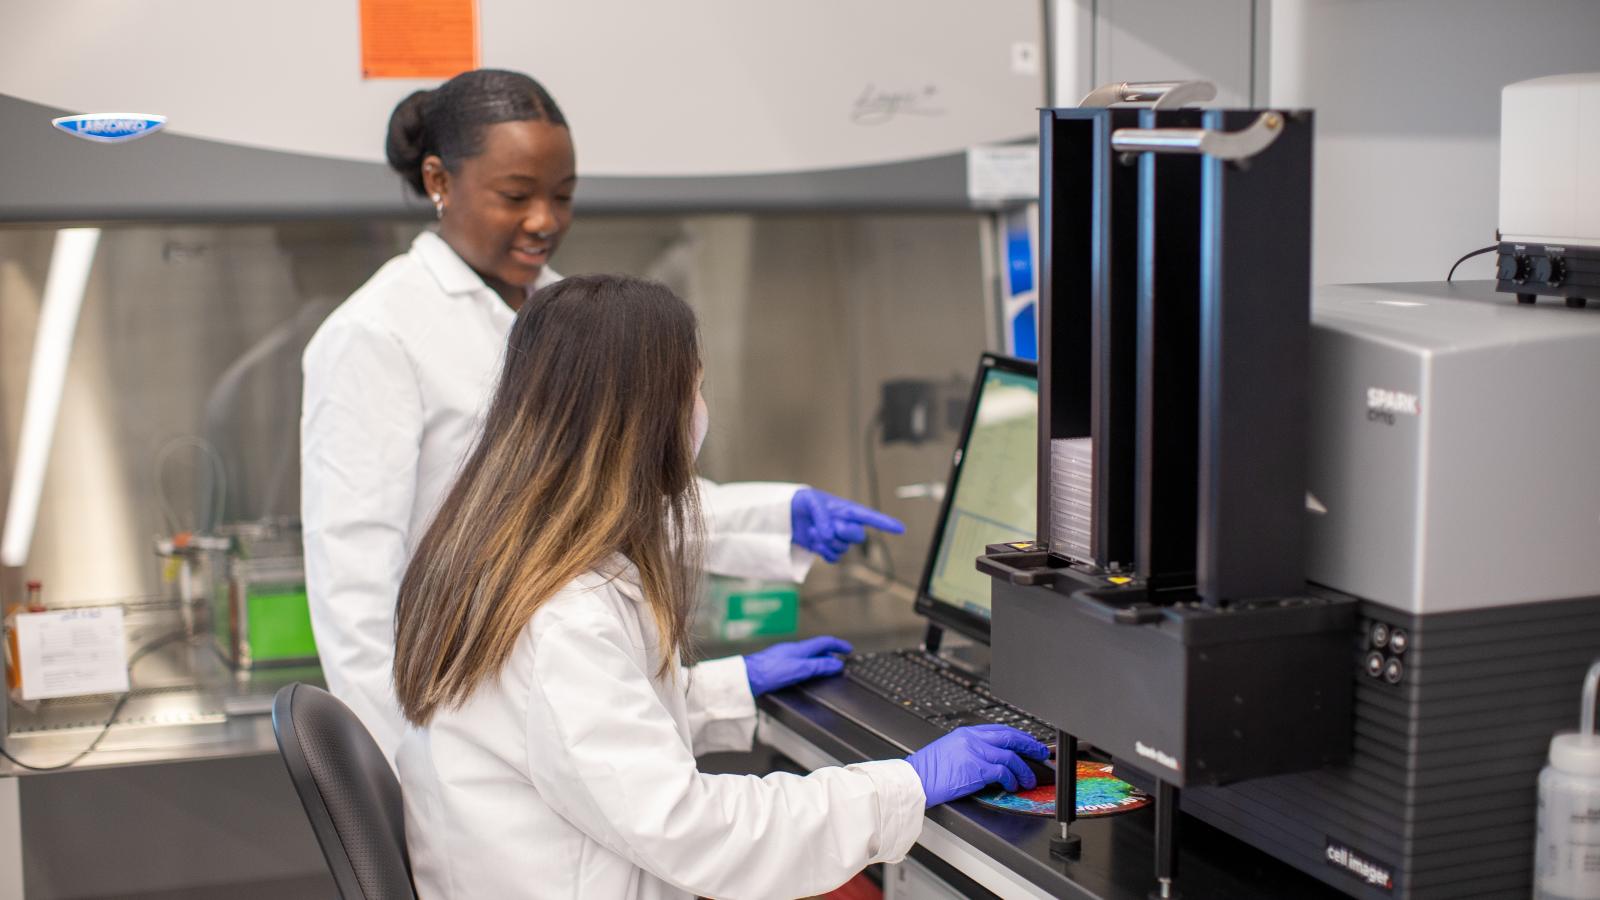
1567	851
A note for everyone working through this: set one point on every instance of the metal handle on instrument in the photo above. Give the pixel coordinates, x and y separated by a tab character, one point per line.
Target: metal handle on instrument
1161	94
1228	145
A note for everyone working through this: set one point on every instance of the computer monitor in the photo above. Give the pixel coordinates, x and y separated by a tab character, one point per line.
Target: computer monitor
990	497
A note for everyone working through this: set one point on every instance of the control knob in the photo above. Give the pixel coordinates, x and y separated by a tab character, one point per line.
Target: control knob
1513	267
1550	270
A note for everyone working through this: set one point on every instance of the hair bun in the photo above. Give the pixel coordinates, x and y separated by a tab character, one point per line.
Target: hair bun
407	143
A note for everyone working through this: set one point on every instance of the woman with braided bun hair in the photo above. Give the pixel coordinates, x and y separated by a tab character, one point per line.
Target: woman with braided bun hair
399	376
491	151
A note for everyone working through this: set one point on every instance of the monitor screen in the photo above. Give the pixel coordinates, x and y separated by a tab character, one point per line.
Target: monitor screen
992	490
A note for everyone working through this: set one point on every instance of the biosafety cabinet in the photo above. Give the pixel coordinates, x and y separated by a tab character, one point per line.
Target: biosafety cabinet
228	235
713	105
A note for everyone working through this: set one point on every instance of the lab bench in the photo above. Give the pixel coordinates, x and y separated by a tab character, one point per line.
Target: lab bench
186	703
1008	855
185	795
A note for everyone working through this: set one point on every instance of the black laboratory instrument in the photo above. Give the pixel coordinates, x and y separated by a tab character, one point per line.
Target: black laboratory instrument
1163	613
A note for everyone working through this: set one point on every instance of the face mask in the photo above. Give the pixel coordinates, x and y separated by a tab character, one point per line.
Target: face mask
701	424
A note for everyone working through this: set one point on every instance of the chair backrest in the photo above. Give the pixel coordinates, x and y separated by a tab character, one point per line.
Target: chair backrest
349	792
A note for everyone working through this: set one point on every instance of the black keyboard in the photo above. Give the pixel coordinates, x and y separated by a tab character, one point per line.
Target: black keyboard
937	692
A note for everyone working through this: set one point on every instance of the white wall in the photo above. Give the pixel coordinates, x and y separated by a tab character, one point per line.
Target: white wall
1101	41
1072	50
1407	96
1159	40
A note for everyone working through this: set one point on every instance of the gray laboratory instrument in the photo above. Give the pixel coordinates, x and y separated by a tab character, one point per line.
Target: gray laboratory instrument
1453	490
1323	564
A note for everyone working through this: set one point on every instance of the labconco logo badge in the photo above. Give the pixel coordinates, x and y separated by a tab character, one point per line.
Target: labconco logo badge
110	128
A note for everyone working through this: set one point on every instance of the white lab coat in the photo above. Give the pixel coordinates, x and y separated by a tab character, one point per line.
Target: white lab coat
396	383
573	775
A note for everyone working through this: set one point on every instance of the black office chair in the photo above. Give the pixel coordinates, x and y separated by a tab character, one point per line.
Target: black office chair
349	792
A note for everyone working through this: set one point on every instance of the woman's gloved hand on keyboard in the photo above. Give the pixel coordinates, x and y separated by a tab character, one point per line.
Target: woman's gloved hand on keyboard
792	662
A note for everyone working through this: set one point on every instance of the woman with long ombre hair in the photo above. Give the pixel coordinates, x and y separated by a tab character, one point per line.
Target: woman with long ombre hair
538	646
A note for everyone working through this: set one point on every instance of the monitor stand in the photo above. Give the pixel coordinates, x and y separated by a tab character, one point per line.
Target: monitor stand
970	657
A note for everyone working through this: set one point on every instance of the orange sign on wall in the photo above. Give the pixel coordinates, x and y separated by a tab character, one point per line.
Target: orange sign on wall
418	38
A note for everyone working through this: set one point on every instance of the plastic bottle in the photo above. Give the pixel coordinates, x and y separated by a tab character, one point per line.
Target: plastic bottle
1567	853
34	603
13	658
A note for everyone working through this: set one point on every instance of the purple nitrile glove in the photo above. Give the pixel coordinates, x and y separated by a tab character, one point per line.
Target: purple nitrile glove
792	662
967	759
827	525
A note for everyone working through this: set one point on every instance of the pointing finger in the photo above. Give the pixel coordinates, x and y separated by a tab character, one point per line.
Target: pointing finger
846	530
871	517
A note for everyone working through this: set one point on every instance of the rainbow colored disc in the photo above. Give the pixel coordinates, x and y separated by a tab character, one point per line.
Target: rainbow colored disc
1099	794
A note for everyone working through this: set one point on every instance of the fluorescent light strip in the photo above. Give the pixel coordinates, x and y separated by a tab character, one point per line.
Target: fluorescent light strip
64	286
